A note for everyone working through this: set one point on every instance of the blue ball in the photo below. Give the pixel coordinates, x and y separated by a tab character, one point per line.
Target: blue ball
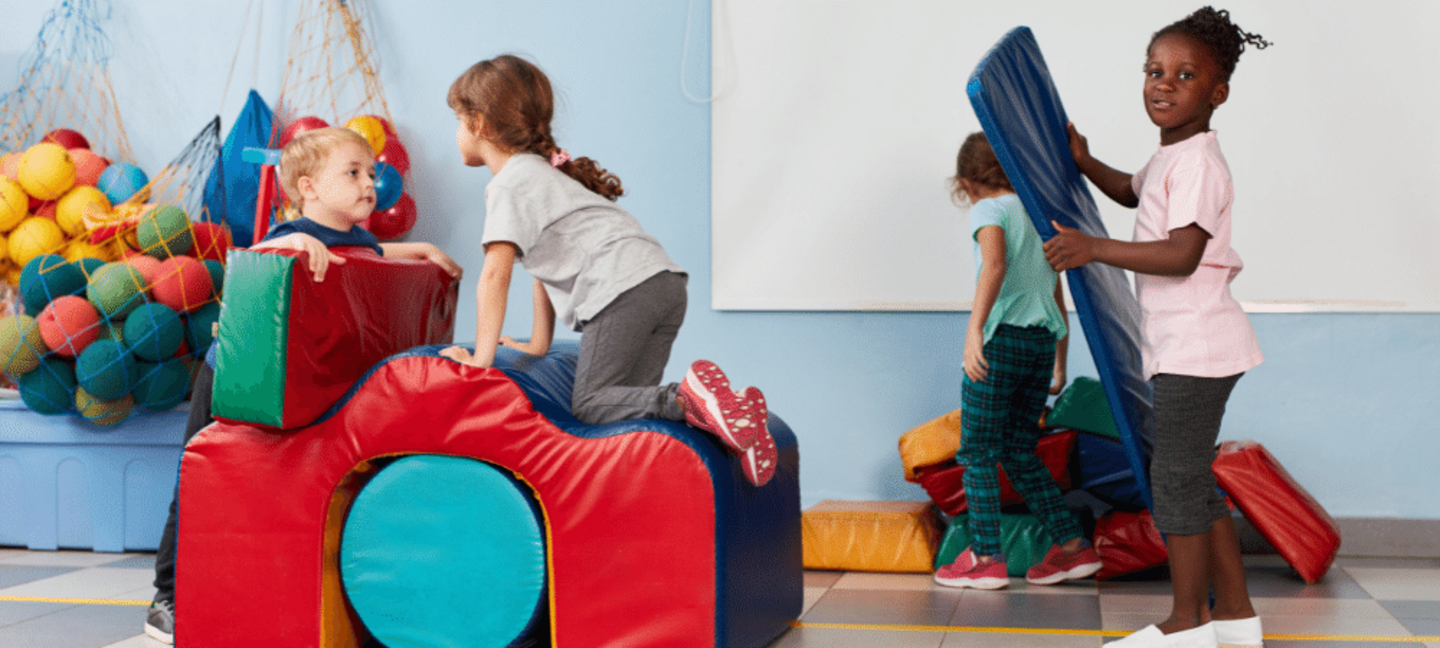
154	333
388	186
120	181
47	277
162	385
50	389
106	370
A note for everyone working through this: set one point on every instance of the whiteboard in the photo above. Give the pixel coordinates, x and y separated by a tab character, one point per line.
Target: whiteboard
836	124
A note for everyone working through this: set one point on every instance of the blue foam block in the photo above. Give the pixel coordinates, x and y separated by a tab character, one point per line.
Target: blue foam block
1018	107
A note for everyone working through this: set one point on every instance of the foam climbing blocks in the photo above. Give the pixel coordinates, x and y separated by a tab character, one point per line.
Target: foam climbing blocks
1023	540
945	482
1128	542
1284	513
870	536
654	536
290	347
932	442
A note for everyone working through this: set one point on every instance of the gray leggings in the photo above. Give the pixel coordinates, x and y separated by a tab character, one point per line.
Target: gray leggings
623	353
1184	427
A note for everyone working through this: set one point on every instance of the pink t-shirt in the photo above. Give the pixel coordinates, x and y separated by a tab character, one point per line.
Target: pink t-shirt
1192	325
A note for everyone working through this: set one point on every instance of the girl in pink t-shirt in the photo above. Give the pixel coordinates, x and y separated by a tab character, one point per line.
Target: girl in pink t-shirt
1197	339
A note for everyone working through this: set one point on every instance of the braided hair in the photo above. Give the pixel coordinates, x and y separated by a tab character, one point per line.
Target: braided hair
515	97
1212	27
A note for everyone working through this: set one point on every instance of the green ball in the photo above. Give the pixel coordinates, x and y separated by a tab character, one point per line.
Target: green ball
198	328
106	370
116	289
162	385
20	344
89	265
164	232
47	277
101	412
154	332
217	275
49	389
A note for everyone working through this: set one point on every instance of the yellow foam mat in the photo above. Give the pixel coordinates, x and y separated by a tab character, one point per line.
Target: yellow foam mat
870	536
930	443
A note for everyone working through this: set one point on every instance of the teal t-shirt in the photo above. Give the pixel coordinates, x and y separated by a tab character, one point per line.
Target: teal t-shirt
1027	297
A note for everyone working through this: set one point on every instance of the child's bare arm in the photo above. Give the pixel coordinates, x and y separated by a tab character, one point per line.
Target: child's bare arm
544	329
320	256
424	252
492	293
1062	345
987	289
1112	183
1175	256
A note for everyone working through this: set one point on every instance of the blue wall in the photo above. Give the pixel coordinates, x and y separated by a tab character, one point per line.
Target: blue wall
1344	401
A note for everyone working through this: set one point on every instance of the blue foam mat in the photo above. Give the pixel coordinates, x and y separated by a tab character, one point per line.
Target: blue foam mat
1020	110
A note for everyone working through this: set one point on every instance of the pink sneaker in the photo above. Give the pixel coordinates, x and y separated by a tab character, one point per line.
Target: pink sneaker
1059	565
738	420
968	571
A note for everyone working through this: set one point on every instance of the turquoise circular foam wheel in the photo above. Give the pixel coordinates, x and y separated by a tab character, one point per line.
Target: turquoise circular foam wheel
446	551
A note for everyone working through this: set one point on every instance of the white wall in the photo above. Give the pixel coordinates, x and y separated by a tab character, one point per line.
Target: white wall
1345	401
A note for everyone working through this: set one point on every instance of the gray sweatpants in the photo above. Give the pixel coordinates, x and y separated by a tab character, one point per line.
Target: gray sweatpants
1186	424
623	353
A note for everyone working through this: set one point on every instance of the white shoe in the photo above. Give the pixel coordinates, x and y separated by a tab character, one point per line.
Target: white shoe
1239	633
1151	637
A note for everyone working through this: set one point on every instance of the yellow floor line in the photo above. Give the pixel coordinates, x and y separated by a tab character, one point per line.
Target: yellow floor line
1094	633
69	601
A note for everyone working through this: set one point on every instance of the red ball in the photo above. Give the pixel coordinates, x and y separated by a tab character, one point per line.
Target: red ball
147	265
394	222
88	166
66	138
68	325
300	125
211	241
183	284
395	155
46	209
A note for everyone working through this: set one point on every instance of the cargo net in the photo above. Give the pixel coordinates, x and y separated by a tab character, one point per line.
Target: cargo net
119	316
332	78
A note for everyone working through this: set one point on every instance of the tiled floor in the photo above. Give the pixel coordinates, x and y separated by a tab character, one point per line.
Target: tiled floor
72	599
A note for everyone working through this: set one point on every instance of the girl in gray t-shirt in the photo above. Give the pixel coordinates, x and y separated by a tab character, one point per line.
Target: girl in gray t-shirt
595	270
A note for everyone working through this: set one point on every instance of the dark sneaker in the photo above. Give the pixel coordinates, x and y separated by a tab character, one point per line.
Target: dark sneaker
160	623
1059	565
968	571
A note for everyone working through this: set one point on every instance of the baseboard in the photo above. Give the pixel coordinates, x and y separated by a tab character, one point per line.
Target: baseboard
1371	537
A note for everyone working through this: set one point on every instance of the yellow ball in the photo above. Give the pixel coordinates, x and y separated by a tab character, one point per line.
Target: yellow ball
81	248
4	253
102	412
46	171
371	129
14	204
21	344
33	237
80	201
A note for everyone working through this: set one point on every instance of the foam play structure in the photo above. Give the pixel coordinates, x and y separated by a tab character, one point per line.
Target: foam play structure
638	533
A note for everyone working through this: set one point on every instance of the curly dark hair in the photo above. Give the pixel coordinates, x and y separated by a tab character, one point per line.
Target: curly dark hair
1212	27
977	163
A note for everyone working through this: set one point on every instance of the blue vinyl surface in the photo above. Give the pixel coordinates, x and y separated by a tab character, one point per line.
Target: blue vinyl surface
1020	110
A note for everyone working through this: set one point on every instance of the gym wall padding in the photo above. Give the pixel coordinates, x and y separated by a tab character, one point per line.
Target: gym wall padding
1020	110
656	539
289	347
1284	513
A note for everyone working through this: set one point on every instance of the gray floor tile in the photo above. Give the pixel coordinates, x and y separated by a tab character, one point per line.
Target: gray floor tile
134	562
850	638
12	575
885	607
12	612
1000	609
1413	609
81	626
815	578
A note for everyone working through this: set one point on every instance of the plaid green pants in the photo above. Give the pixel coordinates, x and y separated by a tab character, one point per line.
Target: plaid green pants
999	423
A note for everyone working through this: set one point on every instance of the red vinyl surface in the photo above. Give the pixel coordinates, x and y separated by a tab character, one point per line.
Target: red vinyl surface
945	482
1128	543
1278	507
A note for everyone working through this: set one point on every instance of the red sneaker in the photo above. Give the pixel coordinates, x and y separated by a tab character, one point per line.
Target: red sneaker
740	421
1060	565
968	571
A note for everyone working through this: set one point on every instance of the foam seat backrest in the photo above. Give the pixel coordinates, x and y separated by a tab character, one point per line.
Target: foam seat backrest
290	347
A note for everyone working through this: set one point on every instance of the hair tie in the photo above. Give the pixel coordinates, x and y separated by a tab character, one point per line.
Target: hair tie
559	157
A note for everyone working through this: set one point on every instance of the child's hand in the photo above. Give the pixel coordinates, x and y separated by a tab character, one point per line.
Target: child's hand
1057	383
463	356
438	257
1079	146
528	348
1069	248
975	365
320	256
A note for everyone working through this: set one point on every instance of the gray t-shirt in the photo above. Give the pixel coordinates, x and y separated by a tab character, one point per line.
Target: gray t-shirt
585	249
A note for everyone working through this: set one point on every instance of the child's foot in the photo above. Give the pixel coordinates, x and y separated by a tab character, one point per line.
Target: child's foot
969	571
160	621
1060	565
738	420
1239	633
1152	637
